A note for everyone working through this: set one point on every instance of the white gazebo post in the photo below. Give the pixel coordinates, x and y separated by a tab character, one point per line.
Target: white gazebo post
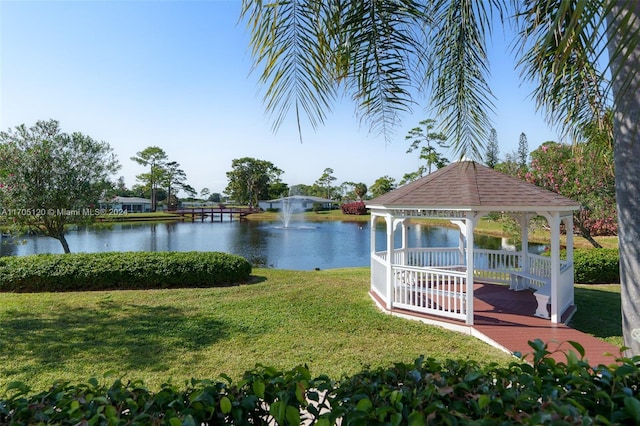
554	224
461	240
466	233
405	240
524	238
372	250
568	226
389	262
372	232
470	224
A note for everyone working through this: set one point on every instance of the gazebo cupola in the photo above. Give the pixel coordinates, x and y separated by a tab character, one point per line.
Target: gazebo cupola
439	280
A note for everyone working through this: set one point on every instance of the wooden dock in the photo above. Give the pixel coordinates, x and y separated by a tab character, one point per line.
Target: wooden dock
213	213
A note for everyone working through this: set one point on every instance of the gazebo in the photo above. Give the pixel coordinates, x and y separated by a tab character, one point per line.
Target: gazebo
439	281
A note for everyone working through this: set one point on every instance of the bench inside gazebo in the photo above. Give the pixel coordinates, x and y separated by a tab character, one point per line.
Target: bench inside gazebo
439	281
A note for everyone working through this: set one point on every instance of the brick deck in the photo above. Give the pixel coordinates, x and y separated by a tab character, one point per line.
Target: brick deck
504	319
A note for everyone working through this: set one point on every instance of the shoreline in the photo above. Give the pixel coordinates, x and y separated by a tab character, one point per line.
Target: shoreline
485	226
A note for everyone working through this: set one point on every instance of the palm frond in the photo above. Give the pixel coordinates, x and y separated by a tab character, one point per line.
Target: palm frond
306	49
381	52
460	70
563	51
623	31
286	40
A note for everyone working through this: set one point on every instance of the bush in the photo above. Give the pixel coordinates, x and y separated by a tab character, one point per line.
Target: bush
596	266
425	392
354	208
115	270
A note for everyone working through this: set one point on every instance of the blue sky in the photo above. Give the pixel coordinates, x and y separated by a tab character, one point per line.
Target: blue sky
176	74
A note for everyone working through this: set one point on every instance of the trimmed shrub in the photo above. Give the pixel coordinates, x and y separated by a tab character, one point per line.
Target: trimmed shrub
596	266
116	270
426	392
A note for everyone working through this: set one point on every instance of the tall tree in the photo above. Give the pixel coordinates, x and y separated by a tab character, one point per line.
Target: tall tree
510	164
523	152
174	178
382	185
204	193
425	138
347	190
154	158
381	52
361	190
190	190
492	156
249	180
326	180
215	197
49	179
277	189
120	189
411	176
300	189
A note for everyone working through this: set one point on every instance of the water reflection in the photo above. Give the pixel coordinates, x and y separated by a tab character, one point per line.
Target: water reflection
323	245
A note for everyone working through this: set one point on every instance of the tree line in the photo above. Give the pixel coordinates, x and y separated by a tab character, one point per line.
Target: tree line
47	177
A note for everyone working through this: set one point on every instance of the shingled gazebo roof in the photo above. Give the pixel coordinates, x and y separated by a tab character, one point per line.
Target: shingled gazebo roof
468	185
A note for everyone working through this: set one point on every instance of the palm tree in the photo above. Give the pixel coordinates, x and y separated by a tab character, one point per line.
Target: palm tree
381	52
361	190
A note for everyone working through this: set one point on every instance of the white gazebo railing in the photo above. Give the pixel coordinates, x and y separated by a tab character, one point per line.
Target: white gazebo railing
432	256
379	275
431	291
433	280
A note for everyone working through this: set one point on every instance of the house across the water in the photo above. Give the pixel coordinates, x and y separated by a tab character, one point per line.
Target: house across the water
302	202
127	204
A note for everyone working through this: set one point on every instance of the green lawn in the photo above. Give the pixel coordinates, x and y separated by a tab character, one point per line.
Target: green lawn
321	318
324	319
599	312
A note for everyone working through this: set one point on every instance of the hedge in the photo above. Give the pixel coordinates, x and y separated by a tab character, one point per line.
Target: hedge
117	270
597	266
543	392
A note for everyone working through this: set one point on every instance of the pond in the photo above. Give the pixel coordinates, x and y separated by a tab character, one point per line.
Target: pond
304	246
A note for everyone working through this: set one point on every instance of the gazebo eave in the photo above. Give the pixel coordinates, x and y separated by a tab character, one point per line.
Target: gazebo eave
569	209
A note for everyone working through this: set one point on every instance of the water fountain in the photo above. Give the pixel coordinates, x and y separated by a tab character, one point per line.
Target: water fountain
289	206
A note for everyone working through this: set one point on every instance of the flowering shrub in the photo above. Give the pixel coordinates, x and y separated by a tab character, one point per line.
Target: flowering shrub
584	175
354	208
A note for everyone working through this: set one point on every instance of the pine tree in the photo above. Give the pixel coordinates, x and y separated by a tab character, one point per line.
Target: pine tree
493	150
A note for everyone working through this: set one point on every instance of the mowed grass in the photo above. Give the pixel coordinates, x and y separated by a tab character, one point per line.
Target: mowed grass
324	319
599	312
